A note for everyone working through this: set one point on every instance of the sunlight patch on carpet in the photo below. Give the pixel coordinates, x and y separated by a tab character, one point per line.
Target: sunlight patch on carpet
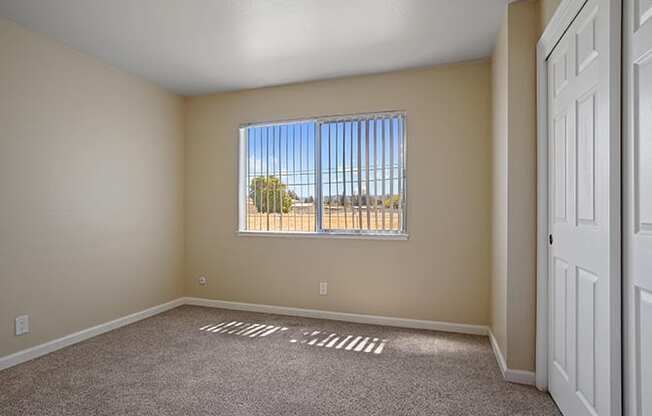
309	338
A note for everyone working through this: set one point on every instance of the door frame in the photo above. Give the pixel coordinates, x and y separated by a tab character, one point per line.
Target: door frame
556	28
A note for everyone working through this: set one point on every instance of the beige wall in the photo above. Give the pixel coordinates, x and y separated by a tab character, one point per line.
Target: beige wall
440	273
514	182
500	80
522	174
91	183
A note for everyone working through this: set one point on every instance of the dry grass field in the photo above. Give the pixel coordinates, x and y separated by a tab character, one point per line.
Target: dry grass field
302	219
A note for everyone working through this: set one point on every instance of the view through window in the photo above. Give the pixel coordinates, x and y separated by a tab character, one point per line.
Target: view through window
330	175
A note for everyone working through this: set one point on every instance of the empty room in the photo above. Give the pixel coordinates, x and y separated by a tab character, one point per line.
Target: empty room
326	207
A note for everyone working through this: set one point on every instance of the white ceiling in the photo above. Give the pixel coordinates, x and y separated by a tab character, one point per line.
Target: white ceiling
201	46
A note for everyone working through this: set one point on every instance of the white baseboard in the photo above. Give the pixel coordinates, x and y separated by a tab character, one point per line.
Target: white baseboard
51	346
499	355
513	376
341	316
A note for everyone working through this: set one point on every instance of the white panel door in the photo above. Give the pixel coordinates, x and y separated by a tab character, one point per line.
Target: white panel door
637	193
584	268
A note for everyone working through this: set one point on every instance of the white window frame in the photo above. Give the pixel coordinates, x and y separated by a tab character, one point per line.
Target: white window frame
320	232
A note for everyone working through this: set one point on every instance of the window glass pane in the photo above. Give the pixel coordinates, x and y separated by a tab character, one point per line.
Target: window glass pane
363	175
281	177
331	175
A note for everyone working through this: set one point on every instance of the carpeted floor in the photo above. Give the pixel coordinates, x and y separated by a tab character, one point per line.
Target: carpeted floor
202	361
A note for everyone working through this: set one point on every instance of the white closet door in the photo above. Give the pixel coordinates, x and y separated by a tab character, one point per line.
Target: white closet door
637	192
584	201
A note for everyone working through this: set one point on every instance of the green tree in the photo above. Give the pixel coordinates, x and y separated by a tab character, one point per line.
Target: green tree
269	194
388	202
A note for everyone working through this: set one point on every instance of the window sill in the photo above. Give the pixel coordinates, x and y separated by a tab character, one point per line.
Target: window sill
336	235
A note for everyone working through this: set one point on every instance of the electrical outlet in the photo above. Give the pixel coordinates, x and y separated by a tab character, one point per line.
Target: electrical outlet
22	325
323	288
202	280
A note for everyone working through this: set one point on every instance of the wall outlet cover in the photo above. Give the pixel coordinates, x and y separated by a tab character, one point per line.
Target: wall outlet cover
323	288
22	325
202	280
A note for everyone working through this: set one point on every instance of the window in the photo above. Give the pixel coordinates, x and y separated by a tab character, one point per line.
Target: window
330	175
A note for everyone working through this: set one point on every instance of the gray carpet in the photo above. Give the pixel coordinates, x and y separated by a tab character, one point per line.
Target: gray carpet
202	361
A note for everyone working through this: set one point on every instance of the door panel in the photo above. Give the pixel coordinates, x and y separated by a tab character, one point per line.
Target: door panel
584	205
644	357
643	144
643	12
586	160
559	161
586	285
637	214
586	37
560	321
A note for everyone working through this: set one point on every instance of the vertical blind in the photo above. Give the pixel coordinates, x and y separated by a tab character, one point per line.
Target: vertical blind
331	175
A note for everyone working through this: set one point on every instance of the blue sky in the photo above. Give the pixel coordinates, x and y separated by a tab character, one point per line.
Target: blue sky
287	151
